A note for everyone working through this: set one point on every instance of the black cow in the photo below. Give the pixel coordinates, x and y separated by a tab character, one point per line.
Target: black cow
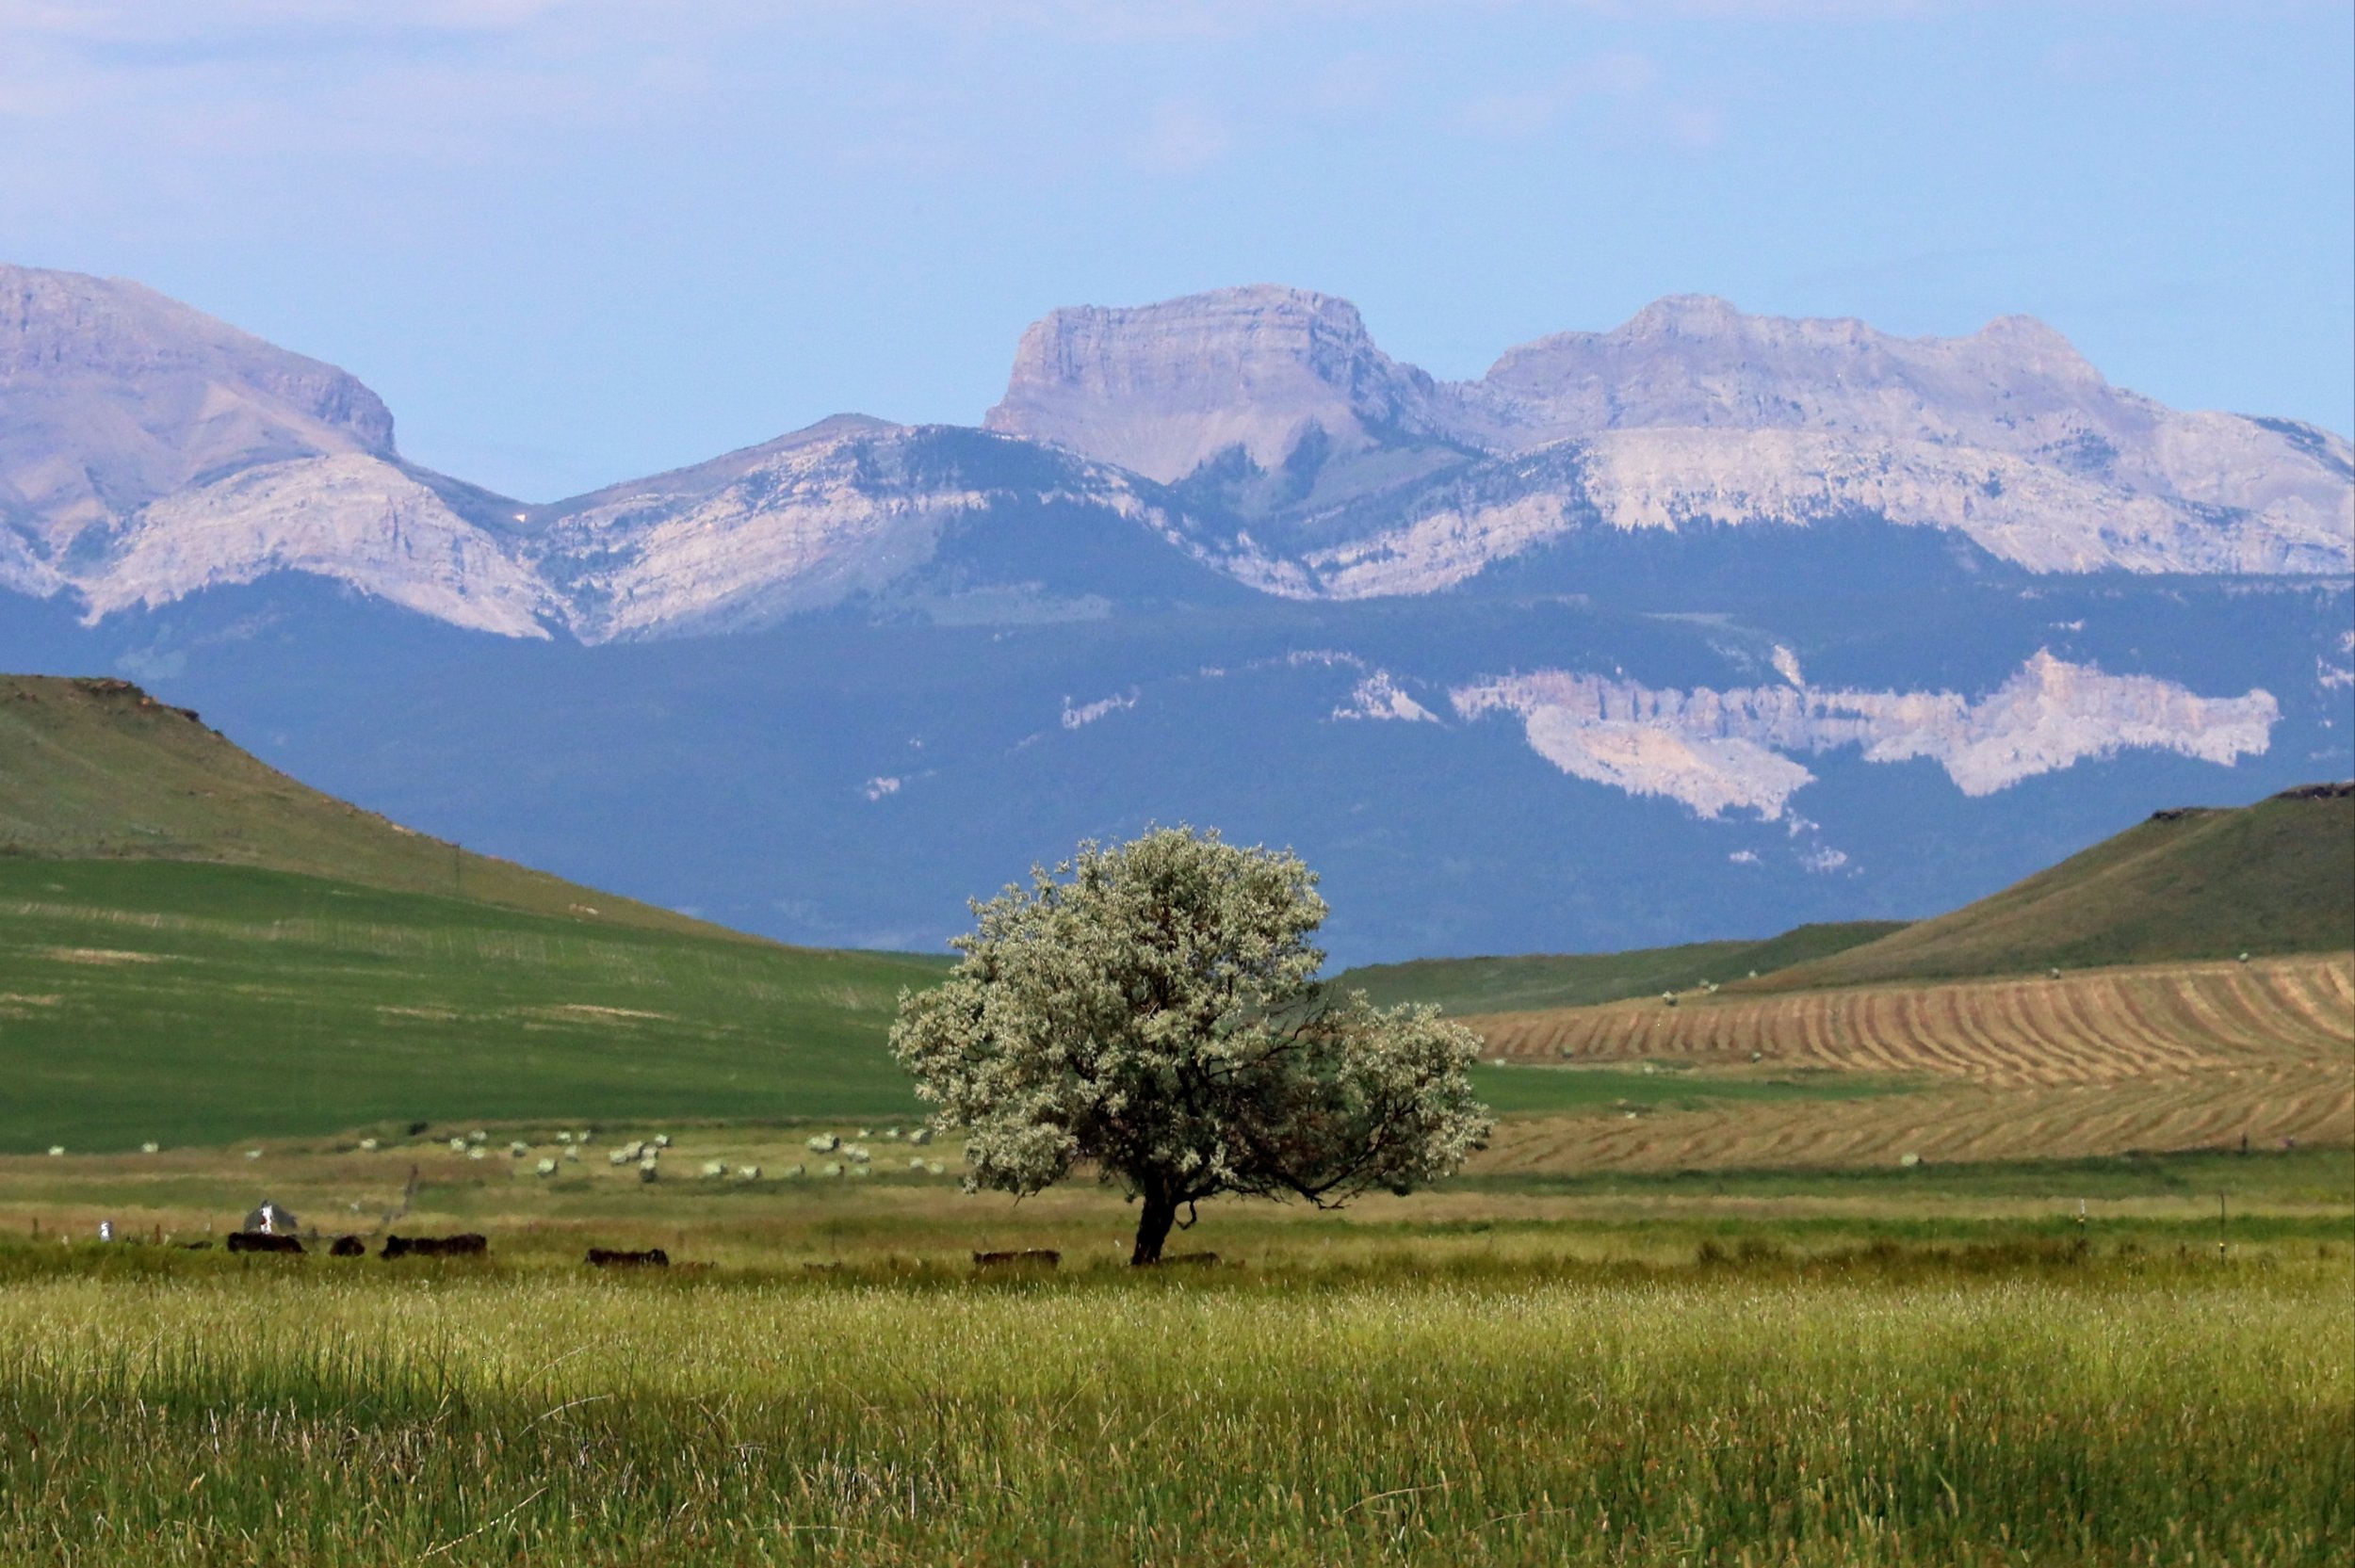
262	1241
468	1245
612	1257
348	1246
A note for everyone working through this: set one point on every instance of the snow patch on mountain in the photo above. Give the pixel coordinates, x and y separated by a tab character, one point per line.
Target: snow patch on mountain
1723	751
1379	696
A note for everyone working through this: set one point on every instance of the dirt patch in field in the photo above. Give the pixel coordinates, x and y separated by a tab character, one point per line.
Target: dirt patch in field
97	956
590	1013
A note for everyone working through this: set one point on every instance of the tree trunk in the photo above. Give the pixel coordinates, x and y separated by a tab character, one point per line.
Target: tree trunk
1161	1213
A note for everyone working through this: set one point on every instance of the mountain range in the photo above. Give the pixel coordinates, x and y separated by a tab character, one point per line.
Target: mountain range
1700	627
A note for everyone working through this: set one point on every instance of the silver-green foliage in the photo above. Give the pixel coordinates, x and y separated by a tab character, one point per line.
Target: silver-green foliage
1152	1009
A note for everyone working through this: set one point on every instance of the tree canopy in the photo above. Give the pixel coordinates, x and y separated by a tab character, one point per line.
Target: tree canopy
1153	1010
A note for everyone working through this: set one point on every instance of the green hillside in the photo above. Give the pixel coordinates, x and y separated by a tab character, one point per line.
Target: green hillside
194	948
2277	876
1580	979
98	769
189	1003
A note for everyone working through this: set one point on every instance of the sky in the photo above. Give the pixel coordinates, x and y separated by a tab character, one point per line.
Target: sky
572	241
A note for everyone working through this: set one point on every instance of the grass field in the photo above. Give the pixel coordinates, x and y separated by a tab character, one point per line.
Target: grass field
190	1003
2150	1058
2008	1401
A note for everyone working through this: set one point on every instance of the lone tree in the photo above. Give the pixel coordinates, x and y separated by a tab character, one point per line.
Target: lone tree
1153	1010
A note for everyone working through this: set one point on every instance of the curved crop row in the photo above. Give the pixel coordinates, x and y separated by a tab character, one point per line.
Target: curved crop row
2098	1026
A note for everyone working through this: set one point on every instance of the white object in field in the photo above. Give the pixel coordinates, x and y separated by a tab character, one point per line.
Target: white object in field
457	1145
795	1171
825	1144
369	1145
617	1157
891	1135
1908	1159
271	1220
748	1172
647	1173
920	1136
253	1153
518	1148
934	1167
916	1162
861	1170
475	1152
573	1154
545	1167
715	1168
832	1168
105	1230
858	1153
478	1136
149	1148
564	1137
662	1141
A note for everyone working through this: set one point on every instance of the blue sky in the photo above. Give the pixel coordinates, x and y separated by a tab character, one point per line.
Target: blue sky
576	241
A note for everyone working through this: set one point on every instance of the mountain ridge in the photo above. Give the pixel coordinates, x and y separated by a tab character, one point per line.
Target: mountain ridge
1259	430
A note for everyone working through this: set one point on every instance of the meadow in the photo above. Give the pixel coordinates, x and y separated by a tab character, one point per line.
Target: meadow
2002	1403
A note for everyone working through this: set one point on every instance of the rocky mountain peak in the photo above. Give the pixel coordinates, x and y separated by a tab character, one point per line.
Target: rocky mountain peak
1160	389
112	395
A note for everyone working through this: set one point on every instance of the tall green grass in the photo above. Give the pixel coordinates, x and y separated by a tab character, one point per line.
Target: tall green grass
2119	1412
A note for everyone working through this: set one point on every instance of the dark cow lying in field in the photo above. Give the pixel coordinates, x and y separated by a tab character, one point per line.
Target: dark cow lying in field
1037	1257
612	1257
468	1245
1182	1260
348	1246
262	1241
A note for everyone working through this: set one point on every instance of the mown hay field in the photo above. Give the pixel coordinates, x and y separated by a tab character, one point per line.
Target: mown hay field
2146	1058
2023	1406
